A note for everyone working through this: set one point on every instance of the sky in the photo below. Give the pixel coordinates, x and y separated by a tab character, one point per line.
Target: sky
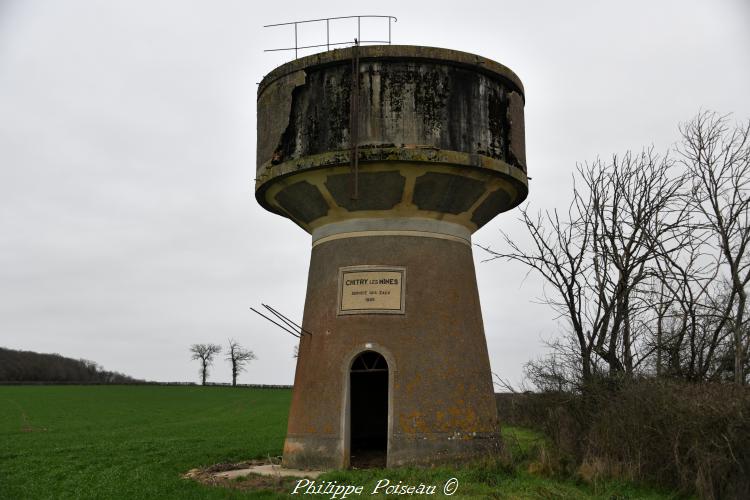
128	225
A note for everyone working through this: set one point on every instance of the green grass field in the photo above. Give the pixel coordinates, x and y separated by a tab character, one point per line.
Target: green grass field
136	442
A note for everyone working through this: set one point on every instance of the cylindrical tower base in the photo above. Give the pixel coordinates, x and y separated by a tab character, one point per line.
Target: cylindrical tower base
412	298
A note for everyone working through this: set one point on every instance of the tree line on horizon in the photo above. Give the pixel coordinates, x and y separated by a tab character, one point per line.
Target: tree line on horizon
18	366
29	366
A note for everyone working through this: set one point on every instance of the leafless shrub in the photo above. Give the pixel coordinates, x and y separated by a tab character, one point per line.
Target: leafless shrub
691	437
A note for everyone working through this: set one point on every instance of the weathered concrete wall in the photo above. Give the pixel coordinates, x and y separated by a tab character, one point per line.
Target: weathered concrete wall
429	107
442	405
401	103
408	96
465	195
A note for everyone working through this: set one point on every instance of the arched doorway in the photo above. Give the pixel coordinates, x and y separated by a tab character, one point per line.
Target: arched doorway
368	410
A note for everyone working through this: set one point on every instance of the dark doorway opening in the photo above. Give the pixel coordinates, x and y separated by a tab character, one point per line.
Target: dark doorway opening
368	389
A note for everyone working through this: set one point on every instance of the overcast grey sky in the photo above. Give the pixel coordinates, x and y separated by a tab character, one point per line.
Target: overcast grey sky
128	227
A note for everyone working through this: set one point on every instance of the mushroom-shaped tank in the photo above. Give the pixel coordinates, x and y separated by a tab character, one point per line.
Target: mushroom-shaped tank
438	135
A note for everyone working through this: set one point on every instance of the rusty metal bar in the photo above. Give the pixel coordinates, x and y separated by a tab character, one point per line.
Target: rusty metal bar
354	121
286	320
275	323
325	45
325	19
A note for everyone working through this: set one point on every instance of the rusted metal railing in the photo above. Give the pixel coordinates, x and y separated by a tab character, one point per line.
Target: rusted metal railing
329	43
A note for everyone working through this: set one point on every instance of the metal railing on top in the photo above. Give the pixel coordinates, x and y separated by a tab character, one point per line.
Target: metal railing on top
329	43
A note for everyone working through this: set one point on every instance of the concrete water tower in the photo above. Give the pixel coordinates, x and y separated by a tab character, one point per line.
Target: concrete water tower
391	157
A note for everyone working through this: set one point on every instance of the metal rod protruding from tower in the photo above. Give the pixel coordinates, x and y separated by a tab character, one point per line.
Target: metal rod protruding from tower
289	326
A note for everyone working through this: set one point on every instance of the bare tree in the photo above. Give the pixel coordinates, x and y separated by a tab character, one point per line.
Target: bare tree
717	158
559	254
600	256
691	314
634	206
205	354
650	265
238	357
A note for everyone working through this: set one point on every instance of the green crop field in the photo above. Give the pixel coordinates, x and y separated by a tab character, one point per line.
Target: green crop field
130	441
136	442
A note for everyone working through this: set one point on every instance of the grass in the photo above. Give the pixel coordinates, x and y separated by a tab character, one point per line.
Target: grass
507	476
130	441
136	442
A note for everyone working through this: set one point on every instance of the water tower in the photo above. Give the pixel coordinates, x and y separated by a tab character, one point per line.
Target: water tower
391	157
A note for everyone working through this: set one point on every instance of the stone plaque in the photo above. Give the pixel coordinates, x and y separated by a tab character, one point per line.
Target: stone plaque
371	290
